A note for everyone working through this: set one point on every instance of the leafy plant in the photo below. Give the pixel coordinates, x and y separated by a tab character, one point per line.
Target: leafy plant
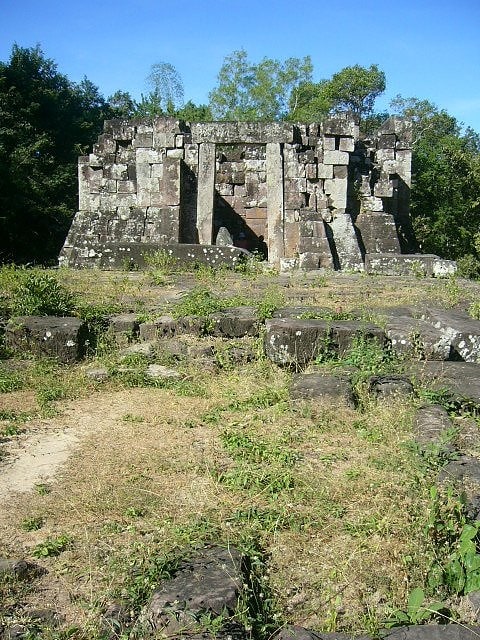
417	610
32	524
39	293
52	546
10	381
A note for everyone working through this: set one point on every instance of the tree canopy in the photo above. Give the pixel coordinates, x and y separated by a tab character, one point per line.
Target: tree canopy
46	121
262	91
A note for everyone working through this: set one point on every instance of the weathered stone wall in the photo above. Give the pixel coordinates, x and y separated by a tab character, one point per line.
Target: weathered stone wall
314	193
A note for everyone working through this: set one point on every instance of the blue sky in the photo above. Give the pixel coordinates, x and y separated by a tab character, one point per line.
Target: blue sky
429	49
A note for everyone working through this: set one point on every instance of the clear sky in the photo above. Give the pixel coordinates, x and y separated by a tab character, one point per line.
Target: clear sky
429	49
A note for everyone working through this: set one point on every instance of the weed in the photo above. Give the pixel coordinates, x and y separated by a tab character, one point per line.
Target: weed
10	381
40	294
256	479
42	489
33	523
130	417
11	430
52	546
272	300
474	310
417	610
199	302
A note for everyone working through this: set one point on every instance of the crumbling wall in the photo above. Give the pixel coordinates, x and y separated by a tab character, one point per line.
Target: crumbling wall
315	194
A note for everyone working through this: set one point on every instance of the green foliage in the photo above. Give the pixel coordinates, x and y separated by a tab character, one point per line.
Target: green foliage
445	202
10	380
352	89
39	293
474	310
52	546
417	612
47	121
32	524
249	92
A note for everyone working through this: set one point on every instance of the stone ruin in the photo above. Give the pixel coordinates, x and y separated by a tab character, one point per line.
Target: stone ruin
306	195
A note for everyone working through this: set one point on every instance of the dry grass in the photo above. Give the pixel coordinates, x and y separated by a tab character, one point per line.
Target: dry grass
334	496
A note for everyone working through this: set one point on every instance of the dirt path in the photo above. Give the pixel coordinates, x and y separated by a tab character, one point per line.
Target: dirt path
37	456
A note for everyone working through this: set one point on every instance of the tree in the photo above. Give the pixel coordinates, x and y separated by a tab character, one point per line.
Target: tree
192	112
248	91
46	121
122	104
445	199
355	89
309	102
166	86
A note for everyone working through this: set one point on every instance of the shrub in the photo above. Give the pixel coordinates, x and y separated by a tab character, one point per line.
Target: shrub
38	293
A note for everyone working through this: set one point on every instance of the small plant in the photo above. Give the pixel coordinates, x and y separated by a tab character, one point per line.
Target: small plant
52	546
130	417
417	610
271	301
42	489
32	524
9	381
39	293
474	310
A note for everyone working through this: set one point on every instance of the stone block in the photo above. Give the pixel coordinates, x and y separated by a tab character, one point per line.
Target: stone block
293	342
378	233
340	171
462	332
59	337
311	171
209	584
316	386
346	144
325	171
329	143
175	154
382	155
143	140
127	186
123	327
346	243
387	141
235	322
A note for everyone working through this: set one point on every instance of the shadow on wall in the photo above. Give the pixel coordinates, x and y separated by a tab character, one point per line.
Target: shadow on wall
241	234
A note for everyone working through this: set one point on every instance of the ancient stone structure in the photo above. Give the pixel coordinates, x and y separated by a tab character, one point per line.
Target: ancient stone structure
313	195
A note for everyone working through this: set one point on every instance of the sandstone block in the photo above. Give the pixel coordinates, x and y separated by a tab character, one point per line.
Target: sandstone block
60	337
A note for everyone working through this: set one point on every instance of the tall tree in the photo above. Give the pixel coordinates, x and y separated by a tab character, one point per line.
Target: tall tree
46	121
445	203
355	89
262	91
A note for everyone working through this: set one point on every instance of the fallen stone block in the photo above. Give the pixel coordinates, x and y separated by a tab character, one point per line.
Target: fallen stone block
460	379
291	341
293	632
143	349
235	322
60	337
390	385
123	327
431	422
210	583
390	264
465	471
322	387
461	331
97	374
417	338
156	371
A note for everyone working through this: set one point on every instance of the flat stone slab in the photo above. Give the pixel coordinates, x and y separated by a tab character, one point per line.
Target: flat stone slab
60	337
123	327
461	379
411	632
318	386
211	583
294	342
396	264
462	332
